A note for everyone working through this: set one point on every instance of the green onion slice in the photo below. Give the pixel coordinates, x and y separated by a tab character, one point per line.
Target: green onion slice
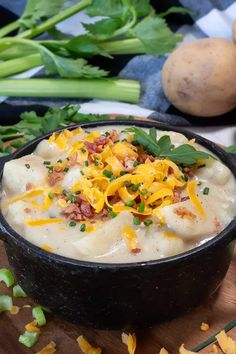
29	339
7	277
5	303
39	316
18	291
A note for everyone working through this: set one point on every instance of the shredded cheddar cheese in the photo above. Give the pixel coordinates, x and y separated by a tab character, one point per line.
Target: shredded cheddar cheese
191	189
204	327
32	327
15	310
40	222
163	351
130	238
182	350
214	349
227	345
86	347
49	349
47	248
130	341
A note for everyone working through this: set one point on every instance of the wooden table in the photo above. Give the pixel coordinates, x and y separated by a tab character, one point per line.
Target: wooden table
217	311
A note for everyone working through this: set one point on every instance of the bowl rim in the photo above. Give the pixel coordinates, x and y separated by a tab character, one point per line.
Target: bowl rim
225	236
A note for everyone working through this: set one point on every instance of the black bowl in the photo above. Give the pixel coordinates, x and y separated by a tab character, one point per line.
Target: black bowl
113	296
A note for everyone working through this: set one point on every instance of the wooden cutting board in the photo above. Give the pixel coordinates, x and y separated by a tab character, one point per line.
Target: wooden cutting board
217	311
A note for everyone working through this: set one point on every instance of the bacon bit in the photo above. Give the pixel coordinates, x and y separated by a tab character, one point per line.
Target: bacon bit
183	212
86	347
73	159
143	157
49	349
55	177
27	210
217	224
130	341
86	210
28	186
136	250
57	169
92	147
32	327
73	212
129	163
102	140
170	171
114	136
183	199
177	193
204	327
15	310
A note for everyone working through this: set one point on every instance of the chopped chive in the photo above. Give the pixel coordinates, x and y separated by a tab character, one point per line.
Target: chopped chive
122	173
51	195
72	198
66	169
29	339
47	162
201	166
7	277
78	192
165	178
39	316
107	173
135	187
130	203
206	190
83	150
199	183
144	191
50	169
129	184
147	222
82	173
96	162
141	208
64	192
72	223
112	214
185	178
86	163
59	161
5	303
136	220
107	134
83	227
27	166
136	163
18	291
112	178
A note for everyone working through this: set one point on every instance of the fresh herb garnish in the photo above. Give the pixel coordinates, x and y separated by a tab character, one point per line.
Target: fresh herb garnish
163	147
72	223
83	227
141	207
130	203
136	220
72	198
135	187
147	222
47	162
112	214
107	173
27	166
51	195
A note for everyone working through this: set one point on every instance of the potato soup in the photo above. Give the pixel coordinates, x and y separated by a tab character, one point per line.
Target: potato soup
118	195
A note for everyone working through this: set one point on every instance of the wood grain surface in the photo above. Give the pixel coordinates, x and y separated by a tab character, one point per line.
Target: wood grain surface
217	311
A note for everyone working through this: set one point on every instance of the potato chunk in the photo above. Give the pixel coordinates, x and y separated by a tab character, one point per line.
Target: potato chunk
107	238
17	174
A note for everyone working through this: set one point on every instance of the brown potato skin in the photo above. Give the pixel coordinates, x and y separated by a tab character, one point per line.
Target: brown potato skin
199	78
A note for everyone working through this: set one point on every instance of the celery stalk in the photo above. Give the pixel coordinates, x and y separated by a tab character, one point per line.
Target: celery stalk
18	65
113	89
125	46
9	28
51	22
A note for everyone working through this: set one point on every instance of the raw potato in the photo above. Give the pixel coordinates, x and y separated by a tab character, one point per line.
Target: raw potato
199	77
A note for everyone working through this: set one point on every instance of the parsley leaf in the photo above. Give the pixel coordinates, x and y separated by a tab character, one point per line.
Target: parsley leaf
155	35
103	29
36	10
185	153
176	10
